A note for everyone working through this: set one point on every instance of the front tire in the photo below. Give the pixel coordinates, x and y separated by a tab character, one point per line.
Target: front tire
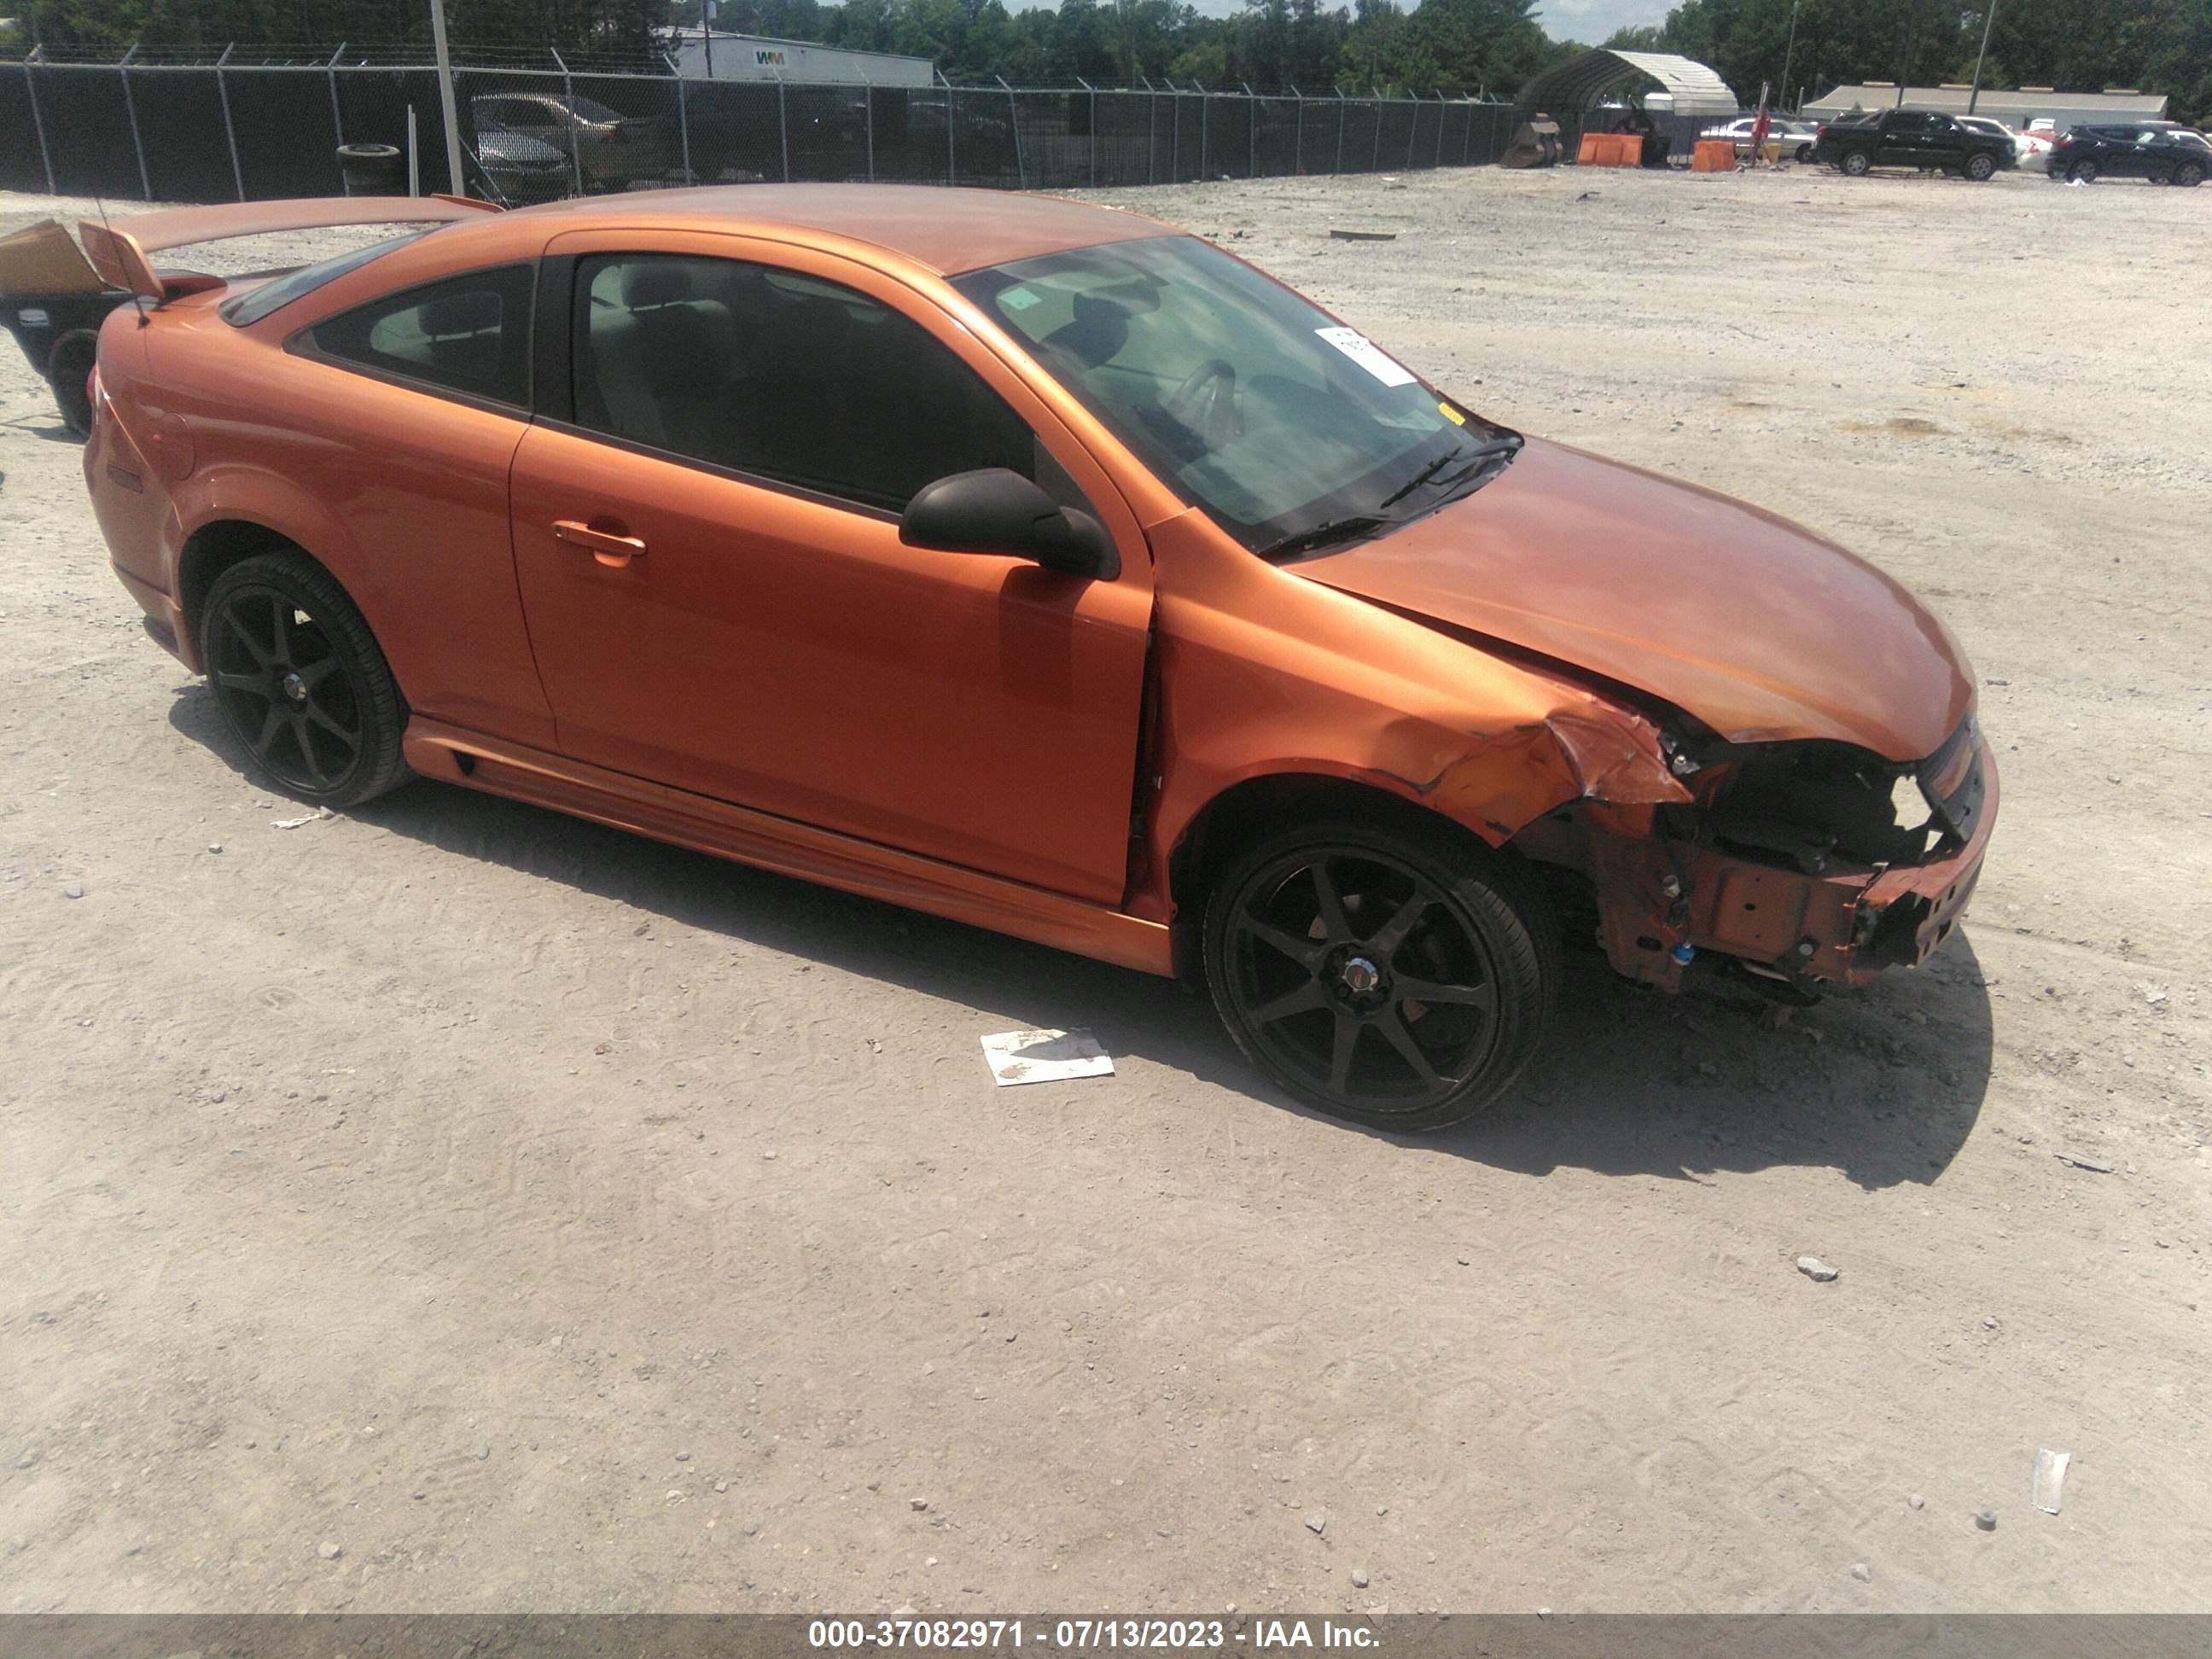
301	681
1385	967
2082	173
1855	164
1981	167
2189	175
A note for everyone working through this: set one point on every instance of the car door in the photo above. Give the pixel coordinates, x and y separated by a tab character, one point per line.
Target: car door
540	118
2120	154
1949	142
707	539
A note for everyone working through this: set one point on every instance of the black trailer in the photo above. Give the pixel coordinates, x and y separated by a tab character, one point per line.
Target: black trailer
53	302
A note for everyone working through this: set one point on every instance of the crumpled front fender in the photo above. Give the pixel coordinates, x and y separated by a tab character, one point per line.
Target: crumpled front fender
1261	674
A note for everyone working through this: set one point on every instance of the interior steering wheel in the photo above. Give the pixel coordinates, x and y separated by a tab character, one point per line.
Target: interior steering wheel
1206	402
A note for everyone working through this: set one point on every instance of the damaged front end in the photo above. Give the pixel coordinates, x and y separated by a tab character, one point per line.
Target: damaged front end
1801	863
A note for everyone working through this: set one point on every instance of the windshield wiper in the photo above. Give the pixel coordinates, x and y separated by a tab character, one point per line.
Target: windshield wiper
1321	535
1496	449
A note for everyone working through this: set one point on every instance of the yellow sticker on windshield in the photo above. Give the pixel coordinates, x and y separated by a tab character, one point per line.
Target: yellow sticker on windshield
1451	415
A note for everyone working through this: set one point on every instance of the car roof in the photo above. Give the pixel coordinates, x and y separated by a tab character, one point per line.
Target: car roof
947	230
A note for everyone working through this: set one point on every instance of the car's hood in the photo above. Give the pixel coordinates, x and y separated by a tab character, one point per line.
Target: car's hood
1755	626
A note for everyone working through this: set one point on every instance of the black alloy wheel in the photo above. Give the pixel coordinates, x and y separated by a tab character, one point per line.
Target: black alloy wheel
1392	973
302	681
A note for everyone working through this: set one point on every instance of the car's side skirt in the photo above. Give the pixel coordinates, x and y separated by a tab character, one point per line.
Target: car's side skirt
450	755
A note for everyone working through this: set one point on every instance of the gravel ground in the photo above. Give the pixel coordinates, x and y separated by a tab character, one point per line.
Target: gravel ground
454	1207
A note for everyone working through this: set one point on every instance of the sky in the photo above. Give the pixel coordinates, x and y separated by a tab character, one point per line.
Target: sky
1591	20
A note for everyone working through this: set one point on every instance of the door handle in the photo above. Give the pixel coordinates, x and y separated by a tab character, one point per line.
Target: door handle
609	549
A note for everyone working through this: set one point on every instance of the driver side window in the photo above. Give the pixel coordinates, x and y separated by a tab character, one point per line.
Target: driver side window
782	376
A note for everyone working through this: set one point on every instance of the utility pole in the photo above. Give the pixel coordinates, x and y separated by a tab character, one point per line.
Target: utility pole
1988	16
446	96
1790	50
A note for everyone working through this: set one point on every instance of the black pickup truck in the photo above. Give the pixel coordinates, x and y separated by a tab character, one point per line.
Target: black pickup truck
1910	138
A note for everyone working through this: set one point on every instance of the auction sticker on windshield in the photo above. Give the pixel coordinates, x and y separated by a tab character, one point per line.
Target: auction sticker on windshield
1368	355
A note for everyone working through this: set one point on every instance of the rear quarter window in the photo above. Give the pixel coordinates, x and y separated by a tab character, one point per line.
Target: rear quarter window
467	335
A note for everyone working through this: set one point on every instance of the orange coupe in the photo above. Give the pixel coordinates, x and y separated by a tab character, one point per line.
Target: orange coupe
1033	564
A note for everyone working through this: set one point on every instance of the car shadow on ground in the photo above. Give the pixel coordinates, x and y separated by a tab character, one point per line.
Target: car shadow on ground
1883	1084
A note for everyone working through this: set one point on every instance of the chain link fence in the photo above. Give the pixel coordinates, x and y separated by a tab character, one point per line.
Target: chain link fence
234	131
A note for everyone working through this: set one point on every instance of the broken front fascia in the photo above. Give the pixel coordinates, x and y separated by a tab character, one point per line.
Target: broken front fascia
1661	884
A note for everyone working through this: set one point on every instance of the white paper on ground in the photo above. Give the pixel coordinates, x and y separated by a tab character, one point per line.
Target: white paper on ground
1045	1056
2050	1476
1368	355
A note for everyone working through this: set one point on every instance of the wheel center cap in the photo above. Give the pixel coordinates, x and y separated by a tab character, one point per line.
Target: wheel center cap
1359	976
295	688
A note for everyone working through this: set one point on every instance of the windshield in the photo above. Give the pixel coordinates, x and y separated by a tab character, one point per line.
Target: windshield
1256	405
278	292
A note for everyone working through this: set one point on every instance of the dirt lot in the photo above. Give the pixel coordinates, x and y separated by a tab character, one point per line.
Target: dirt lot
454	1207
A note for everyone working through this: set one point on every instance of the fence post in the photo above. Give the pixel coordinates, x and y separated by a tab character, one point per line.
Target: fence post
130	109
569	102
1467	150
1093	91
1375	156
230	136
1014	115
951	114
683	118
1298	143
1440	127
783	126
1251	131
868	91
1204	101
1151	134
1339	129
1413	131
1174	139
338	115
38	121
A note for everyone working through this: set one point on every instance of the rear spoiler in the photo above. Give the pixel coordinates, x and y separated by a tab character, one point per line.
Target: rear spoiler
119	251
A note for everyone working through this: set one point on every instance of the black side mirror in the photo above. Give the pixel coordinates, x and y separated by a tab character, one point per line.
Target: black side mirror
997	511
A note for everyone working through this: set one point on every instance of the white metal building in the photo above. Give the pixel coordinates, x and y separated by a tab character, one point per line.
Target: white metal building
2116	105
705	55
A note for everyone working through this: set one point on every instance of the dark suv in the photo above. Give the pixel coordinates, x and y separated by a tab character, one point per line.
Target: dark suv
1926	139
2157	150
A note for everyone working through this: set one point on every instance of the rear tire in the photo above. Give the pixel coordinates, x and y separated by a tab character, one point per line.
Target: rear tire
301	681
2082	173
1383	966
67	368
1855	164
1981	167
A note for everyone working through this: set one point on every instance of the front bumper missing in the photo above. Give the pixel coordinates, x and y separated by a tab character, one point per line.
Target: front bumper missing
1655	895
